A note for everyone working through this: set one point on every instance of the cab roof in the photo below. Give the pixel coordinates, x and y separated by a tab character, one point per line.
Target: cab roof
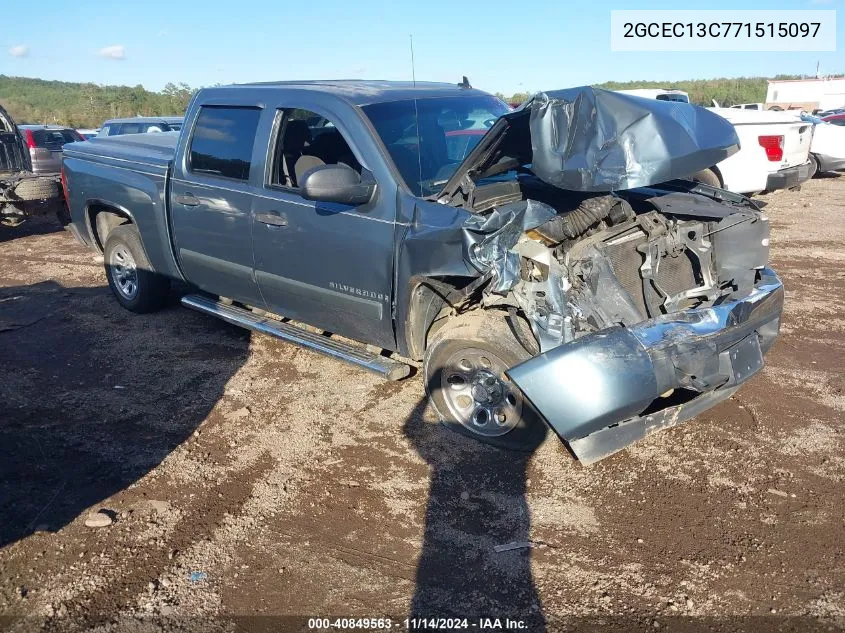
361	92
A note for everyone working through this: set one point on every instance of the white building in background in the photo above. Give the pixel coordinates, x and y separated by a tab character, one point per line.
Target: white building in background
806	94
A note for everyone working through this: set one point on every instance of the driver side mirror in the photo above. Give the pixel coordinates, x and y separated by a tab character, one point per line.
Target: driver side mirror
336	183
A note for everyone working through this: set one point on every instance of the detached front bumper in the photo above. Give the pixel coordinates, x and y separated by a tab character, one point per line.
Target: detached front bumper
606	390
789	177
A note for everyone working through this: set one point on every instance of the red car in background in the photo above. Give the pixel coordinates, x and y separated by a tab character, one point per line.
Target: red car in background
836	119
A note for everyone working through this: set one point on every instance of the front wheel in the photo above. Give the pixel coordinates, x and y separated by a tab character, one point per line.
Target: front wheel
464	369
707	177
131	278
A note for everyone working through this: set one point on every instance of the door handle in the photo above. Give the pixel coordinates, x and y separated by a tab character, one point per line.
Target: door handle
271	218
188	200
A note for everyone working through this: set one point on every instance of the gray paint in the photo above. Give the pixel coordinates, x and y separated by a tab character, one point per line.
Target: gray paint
344	300
586	385
219	226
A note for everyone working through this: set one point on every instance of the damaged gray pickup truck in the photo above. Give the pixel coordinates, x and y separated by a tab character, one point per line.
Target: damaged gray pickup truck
548	265
23	193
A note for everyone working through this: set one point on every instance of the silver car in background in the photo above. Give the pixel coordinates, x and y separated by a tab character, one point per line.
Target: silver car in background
45	143
141	125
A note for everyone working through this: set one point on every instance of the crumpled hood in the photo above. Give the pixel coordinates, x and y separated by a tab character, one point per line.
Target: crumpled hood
593	140
588	139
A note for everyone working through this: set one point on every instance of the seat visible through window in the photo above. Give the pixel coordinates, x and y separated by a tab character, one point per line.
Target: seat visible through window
296	136
307	141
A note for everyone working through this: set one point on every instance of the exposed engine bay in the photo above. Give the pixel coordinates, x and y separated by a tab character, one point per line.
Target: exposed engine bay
620	259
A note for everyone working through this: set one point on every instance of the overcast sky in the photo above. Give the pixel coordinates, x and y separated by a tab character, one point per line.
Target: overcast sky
501	46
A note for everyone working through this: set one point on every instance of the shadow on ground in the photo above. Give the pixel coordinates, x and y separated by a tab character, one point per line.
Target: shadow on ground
93	397
32	226
476	500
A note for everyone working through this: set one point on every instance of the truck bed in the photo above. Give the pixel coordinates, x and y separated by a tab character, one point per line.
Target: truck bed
797	133
155	150
749	169
130	173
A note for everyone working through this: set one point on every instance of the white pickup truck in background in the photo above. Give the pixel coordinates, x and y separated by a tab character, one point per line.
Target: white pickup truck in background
774	152
749	106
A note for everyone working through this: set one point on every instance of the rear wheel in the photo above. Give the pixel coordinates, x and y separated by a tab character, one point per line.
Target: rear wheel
707	177
465	377
131	278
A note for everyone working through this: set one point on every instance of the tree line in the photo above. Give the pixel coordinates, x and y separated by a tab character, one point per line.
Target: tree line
87	105
725	91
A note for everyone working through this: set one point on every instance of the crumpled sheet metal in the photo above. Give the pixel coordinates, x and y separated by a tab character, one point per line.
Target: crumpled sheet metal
490	239
588	139
443	240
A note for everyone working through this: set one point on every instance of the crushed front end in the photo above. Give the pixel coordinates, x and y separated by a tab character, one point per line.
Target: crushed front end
655	307
649	296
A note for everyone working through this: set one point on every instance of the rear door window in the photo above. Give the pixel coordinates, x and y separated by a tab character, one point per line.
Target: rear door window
131	128
221	144
54	140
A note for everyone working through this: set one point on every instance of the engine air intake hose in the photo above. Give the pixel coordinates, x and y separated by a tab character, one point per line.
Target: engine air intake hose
589	212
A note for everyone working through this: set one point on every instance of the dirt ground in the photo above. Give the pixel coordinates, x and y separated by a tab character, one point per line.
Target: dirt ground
250	480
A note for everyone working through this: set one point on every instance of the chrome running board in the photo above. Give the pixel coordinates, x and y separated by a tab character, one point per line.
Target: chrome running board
382	365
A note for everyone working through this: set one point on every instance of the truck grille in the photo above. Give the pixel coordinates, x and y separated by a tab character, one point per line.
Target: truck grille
674	274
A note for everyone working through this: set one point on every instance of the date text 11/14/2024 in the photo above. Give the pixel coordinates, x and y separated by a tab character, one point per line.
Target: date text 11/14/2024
417	624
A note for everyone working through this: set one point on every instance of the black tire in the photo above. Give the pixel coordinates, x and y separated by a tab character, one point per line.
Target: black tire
707	177
36	189
123	249
474	335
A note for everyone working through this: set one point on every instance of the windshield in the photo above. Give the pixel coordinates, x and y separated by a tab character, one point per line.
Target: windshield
428	138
